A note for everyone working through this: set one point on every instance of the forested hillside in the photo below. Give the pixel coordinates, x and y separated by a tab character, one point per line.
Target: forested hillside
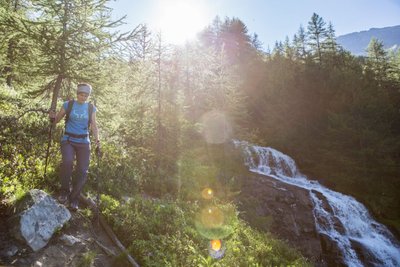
357	42
167	115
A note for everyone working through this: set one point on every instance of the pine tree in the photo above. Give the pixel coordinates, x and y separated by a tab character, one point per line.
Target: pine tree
74	38
378	61
278	50
317	33
211	35
18	51
256	43
330	45
139	46
300	44
289	51
236	40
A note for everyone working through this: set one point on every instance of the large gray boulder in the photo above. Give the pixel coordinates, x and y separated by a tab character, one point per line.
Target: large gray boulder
37	217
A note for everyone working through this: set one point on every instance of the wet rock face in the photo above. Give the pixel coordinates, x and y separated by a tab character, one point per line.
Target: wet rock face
287	212
365	255
331	253
37	217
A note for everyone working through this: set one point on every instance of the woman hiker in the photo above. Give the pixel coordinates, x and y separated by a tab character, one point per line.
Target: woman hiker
76	143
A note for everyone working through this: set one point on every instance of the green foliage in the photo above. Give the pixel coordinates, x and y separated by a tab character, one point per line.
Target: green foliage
88	213
22	154
194	176
215	221
18	53
163	233
215	166
116	172
250	248
317	34
336	116
166	118
87	259
108	204
19	174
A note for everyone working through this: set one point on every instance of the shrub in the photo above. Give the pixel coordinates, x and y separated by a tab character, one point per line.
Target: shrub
163	233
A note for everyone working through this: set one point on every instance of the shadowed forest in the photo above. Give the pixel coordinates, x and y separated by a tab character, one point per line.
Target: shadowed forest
167	115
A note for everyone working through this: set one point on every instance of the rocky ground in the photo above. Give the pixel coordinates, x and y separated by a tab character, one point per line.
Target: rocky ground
81	242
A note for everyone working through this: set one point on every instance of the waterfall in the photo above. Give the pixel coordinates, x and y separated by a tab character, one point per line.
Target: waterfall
340	217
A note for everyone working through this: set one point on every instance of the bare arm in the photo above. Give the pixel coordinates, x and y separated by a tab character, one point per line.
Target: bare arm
57	117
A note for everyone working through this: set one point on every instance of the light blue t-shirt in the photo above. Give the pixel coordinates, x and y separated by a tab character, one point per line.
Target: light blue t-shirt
78	122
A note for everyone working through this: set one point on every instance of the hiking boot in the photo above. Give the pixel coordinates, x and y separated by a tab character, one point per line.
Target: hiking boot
74	205
62	198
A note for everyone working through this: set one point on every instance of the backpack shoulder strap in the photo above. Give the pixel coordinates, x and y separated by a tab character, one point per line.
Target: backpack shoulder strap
90	107
68	111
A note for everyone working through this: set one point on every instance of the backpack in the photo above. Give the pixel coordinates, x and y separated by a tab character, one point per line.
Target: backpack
69	109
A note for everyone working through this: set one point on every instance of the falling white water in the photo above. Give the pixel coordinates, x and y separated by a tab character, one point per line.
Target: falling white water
341	217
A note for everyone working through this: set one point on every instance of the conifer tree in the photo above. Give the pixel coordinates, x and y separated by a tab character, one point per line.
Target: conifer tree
278	50
378	61
288	49
317	33
236	40
255	42
330	43
139	46
395	62
17	52
300	43
73	37
211	36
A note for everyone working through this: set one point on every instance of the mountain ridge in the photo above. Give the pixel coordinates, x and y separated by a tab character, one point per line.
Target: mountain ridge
357	42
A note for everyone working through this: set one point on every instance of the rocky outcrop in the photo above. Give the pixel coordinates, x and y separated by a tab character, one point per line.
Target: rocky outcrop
366	256
286	211
37	217
80	243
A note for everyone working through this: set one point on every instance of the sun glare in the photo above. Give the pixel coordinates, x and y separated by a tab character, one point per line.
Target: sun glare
180	20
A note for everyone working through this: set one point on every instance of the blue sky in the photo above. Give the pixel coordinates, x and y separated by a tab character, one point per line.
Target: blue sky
271	20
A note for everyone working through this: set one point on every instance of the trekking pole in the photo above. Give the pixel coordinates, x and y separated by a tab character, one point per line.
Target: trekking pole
53	107
48	146
98	155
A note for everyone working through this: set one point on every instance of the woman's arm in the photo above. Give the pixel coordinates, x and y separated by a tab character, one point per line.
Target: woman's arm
57	117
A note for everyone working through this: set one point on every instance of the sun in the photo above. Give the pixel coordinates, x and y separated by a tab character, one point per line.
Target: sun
180	20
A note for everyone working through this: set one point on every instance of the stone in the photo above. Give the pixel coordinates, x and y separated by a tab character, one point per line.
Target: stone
10	251
365	255
37	217
331	252
289	209
69	240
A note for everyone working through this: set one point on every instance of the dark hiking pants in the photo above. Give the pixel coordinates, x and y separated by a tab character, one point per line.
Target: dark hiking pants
69	150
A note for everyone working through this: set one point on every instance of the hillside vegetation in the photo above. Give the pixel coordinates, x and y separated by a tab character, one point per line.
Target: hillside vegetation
167	114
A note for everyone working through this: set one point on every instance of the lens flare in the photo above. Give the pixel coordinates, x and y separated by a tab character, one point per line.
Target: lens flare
216	127
207	193
212	217
213	222
216	244
216	249
180	20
